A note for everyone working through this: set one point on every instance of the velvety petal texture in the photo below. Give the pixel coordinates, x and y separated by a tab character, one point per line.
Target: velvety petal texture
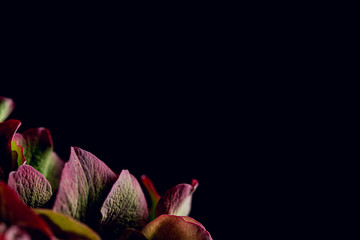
66	227
84	184
6	107
167	227
14	212
177	200
38	151
7	132
125	206
31	186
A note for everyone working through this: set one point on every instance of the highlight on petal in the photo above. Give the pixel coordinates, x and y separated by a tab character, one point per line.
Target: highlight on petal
177	200
154	196
38	151
65	227
125	205
14	212
14	232
179	228
7	132
84	184
6	107
31	186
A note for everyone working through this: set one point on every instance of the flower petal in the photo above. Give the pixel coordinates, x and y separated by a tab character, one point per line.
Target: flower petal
84	183
6	107
38	151
14	212
31	186
7	132
15	232
125	206
179	228
154	196
177	200
66	227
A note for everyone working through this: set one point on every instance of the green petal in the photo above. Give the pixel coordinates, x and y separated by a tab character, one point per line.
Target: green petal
125	205
65	227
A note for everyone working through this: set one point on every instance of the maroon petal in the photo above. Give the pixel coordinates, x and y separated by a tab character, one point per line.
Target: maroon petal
125	206
176	228
7	131
177	200
84	184
14	212
31	186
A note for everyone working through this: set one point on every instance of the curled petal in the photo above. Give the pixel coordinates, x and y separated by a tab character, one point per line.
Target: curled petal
31	186
177	200
179	228
6	107
125	206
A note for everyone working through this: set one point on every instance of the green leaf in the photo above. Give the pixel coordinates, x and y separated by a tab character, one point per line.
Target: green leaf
65	227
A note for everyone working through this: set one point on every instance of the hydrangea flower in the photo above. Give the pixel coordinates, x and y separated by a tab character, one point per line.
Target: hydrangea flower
44	197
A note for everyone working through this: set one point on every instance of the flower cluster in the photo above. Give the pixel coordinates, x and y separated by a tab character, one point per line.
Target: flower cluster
45	197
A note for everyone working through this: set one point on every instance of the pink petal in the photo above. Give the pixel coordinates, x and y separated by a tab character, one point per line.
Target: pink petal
31	186
84	184
177	200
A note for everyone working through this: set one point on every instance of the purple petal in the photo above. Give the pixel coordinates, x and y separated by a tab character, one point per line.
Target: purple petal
31	186
176	227
84	183
177	200
125	206
7	132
